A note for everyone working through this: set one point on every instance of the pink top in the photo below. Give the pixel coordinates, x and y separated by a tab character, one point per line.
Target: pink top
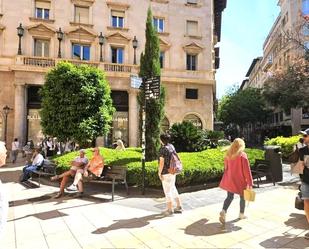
237	174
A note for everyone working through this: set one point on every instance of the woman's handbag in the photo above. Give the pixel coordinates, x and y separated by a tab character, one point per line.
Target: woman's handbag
299	203
297	168
249	195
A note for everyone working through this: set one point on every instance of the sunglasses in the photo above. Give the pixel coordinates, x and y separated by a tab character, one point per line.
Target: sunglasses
305	135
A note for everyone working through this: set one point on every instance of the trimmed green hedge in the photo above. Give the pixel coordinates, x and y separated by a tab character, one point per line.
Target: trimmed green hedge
199	167
286	144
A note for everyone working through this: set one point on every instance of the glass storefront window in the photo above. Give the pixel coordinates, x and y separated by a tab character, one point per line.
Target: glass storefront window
34	125
120	127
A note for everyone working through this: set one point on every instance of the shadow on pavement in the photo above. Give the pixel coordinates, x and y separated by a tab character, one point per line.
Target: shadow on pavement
284	242
202	228
129	223
297	221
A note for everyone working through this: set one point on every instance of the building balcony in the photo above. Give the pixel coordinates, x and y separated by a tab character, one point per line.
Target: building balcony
30	63
42	65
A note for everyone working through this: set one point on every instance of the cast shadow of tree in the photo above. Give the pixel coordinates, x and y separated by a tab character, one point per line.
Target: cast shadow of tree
129	223
203	228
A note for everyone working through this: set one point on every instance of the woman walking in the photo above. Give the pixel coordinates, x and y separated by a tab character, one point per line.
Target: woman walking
168	180
237	177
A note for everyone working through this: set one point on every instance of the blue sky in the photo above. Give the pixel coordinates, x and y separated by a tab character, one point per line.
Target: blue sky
245	26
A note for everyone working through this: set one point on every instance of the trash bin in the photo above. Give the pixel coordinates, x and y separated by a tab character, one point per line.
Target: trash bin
273	155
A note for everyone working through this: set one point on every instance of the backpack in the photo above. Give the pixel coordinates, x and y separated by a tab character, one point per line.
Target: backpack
294	156
175	163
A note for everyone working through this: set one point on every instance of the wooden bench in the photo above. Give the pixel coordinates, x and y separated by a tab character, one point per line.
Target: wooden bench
113	175
47	169
261	169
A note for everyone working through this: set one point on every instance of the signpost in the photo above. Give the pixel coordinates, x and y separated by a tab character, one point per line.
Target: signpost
151	89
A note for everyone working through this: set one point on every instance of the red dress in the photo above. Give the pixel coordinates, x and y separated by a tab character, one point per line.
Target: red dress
237	174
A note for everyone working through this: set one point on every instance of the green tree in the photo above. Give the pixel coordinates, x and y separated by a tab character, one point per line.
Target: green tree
243	106
76	103
289	88
150	66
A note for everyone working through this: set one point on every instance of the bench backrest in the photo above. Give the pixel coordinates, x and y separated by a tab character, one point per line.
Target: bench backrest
263	162
117	172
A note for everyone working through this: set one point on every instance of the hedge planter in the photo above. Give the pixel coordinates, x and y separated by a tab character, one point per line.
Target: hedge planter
199	167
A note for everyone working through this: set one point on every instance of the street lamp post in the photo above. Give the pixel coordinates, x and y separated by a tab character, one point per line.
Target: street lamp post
20	33
135	44
101	42
6	110
60	38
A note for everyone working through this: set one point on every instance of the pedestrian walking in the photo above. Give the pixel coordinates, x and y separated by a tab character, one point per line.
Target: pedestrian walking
15	150
236	178
304	157
168	179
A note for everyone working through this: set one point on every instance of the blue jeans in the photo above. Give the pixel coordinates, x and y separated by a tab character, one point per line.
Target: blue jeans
27	171
229	199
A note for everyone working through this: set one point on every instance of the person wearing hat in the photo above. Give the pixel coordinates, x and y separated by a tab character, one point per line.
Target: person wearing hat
304	157
77	165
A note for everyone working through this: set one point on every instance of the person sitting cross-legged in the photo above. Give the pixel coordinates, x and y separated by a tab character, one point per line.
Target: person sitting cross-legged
77	166
94	168
36	162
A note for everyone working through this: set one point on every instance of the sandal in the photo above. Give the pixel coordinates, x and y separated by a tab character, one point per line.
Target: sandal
54	178
59	195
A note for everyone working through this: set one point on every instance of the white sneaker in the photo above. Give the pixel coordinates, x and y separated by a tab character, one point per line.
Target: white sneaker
72	188
242	216
222	217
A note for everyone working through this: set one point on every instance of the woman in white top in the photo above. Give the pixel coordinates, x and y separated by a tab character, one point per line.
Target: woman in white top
15	149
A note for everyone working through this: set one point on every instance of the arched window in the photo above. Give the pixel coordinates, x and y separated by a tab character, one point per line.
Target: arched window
165	125
194	120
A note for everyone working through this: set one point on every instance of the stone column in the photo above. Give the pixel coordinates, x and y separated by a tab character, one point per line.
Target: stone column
20	114
133	119
296	118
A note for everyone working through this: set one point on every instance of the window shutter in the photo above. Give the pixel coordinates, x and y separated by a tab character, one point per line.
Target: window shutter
43	5
81	14
192	28
118	13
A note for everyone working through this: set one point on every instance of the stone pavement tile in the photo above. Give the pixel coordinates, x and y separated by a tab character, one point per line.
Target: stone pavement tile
123	239
299	243
94	241
32	243
62	240
53	226
163	242
252	228
4	245
264	223
242	246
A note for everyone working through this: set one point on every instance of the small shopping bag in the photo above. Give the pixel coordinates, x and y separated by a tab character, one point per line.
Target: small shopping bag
249	195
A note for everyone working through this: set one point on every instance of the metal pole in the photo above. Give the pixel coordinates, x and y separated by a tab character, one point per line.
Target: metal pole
59	49
101	53
143	144
5	128
134	62
19	46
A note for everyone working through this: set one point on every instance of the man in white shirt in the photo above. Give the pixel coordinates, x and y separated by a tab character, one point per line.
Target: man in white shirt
37	162
15	149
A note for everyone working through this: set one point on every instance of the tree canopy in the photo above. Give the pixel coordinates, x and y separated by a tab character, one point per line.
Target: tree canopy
289	88
76	103
242	106
150	66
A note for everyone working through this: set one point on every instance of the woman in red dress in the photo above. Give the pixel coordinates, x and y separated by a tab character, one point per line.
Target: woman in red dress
236	178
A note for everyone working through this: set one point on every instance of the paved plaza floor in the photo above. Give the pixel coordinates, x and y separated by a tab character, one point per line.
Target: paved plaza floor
37	220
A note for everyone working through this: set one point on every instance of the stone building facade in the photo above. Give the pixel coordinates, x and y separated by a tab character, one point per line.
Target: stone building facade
188	32
279	50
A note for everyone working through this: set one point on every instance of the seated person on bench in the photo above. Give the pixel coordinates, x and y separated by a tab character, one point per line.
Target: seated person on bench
94	167
77	166
36	162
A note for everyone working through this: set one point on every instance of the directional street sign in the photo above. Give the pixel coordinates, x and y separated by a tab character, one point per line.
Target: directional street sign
152	87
